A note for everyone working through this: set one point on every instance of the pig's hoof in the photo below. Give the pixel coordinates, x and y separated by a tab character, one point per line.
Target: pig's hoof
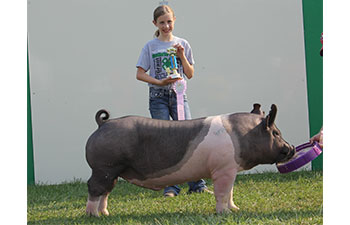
223	211
234	207
92	213
91	208
104	212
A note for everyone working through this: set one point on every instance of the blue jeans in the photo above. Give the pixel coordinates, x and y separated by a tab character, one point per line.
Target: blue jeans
163	105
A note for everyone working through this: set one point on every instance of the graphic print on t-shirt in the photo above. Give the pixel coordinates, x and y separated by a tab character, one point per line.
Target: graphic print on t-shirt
161	62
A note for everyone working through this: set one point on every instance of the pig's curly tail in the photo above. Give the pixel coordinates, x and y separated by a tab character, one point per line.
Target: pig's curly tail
101	119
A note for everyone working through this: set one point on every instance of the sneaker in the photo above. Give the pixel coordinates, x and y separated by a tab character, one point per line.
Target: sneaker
169	194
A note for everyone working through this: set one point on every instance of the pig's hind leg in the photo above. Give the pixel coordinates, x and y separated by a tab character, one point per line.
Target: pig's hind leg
100	185
102	207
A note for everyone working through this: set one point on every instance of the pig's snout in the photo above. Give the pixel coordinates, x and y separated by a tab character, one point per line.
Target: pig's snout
288	149
288	152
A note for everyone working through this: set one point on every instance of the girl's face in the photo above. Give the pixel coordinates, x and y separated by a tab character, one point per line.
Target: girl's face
165	24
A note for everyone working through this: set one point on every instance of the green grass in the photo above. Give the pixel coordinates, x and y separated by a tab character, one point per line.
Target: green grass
268	198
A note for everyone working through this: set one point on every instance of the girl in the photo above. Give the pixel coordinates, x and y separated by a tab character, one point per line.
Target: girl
154	57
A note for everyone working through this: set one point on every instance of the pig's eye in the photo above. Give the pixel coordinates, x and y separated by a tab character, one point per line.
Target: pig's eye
275	133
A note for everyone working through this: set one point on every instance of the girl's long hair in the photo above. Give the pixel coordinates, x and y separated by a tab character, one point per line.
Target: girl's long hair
160	11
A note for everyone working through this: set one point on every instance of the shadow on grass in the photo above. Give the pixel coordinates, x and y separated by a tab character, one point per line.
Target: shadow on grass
187	218
277	177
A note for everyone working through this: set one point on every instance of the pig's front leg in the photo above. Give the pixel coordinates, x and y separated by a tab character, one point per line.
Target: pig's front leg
232	205
223	186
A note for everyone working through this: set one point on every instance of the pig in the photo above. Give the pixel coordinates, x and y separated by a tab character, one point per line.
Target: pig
155	153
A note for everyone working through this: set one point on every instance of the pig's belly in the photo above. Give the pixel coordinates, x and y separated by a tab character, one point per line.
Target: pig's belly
214	153
190	171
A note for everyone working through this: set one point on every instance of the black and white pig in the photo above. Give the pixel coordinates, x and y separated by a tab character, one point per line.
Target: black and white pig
158	153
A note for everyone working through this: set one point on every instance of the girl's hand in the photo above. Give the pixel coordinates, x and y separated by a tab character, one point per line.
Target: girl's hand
179	50
188	68
143	76
318	137
167	80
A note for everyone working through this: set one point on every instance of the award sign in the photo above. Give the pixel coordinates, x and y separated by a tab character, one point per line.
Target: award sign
180	89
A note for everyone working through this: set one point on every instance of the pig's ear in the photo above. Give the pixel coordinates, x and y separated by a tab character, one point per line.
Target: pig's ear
270	119
256	109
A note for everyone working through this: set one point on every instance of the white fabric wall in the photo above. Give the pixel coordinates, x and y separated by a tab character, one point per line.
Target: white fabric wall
83	54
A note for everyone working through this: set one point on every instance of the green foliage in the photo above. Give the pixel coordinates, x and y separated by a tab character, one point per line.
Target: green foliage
268	198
